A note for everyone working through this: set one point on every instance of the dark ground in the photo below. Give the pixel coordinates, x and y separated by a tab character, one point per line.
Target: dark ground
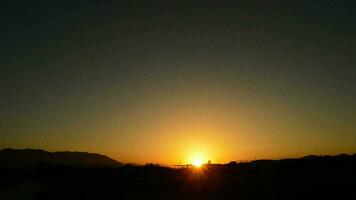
307	178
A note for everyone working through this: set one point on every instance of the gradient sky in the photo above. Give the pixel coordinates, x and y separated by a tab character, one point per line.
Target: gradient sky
166	81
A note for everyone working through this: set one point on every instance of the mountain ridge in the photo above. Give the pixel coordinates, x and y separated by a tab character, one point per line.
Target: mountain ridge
32	158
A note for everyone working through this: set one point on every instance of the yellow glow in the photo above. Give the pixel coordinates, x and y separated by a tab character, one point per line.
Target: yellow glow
198	159
197	163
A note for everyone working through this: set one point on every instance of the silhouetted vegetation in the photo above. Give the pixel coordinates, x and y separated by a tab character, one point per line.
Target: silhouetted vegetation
312	177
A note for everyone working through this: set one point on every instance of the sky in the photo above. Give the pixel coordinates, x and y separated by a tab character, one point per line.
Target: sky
173	81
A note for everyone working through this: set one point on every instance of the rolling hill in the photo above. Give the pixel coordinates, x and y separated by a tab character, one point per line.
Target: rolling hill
31	158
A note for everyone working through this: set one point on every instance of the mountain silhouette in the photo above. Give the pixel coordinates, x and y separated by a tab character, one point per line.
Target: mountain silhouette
41	175
32	158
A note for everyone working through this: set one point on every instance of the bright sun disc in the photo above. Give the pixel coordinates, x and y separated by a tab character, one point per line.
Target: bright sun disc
197	163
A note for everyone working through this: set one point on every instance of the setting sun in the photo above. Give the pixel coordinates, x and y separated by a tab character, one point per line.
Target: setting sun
197	163
198	159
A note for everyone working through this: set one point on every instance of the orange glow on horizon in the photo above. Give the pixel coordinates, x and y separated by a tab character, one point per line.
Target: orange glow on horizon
198	159
197	163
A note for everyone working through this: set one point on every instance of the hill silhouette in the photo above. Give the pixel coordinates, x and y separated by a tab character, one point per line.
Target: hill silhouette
32	158
310	177
311	162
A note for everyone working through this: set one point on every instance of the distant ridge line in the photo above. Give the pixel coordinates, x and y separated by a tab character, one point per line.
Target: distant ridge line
32	158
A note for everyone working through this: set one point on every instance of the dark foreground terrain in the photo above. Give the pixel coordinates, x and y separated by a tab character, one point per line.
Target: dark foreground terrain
312	177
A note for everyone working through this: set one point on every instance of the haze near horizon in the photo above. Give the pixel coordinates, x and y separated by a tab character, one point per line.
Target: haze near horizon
173	82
